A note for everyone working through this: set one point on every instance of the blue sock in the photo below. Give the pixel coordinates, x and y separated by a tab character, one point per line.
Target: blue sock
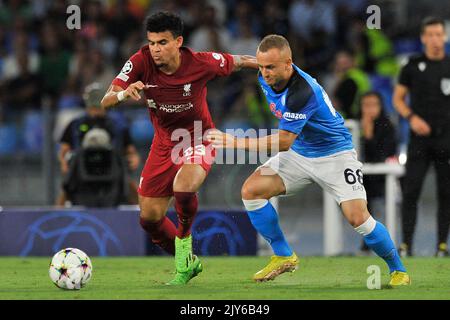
381	243
265	221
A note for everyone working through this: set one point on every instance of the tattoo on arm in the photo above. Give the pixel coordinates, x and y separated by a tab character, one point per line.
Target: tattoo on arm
244	61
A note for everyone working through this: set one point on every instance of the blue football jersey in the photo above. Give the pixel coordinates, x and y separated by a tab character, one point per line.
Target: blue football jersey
304	108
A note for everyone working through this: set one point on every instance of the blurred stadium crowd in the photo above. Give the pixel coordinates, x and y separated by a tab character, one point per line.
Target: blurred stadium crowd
43	63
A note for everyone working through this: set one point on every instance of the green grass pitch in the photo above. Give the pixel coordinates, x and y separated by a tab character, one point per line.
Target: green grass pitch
226	278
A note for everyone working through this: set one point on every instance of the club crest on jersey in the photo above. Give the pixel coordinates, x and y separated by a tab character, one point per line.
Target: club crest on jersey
187	90
151	104
422	66
445	86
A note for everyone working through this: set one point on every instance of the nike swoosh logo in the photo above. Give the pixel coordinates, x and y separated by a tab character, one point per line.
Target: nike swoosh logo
151	85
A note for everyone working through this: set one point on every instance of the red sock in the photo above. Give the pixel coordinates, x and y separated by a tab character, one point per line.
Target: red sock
186	205
162	233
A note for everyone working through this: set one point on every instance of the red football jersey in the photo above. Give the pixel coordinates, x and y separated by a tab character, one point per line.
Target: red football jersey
175	101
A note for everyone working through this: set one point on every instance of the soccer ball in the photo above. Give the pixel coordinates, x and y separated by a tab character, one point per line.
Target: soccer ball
70	268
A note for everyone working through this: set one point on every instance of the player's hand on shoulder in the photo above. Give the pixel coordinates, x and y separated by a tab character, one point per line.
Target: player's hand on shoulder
220	139
419	126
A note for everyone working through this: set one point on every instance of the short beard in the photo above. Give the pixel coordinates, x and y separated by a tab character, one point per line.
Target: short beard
161	65
276	84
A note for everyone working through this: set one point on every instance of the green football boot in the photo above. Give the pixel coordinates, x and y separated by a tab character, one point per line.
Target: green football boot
187	265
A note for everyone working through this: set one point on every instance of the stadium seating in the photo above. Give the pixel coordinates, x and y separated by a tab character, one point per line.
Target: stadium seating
9	139
141	130
33	132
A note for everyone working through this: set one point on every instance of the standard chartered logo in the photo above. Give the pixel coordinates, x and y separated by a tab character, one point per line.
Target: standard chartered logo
171	108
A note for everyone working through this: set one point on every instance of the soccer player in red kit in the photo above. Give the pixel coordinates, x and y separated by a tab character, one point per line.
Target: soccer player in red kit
173	79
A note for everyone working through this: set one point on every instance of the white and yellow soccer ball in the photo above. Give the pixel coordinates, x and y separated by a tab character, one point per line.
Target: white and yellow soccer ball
70	269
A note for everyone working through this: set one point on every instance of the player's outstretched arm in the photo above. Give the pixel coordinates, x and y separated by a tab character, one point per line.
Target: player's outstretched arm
281	141
244	61
116	94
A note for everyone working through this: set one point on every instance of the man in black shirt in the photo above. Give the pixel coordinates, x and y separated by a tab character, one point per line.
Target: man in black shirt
426	77
96	117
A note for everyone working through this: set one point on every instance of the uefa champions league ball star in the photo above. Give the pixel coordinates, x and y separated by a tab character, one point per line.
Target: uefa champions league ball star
70	269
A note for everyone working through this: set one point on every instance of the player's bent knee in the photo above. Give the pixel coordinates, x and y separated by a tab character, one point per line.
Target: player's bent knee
355	212
151	216
357	217
250	191
185	187
246	193
189	178
152	213
357	220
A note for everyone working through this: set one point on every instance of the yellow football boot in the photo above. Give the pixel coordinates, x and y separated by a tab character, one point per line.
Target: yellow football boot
442	250
277	266
399	278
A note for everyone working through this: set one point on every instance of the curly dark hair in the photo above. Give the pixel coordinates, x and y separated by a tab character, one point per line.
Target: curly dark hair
164	21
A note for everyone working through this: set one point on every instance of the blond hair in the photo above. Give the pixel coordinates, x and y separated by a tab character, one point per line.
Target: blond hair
273	41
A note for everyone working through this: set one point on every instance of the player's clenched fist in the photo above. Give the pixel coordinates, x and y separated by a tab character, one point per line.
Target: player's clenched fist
220	139
133	90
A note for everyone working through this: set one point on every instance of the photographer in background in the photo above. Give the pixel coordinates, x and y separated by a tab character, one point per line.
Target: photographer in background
96	117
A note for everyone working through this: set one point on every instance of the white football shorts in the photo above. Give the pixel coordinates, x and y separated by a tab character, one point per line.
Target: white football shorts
340	174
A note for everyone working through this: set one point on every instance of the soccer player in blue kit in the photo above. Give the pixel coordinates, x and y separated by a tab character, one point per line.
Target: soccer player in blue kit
314	146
